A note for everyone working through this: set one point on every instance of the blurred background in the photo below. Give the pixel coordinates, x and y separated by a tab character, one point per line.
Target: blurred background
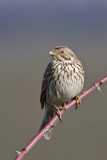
28	30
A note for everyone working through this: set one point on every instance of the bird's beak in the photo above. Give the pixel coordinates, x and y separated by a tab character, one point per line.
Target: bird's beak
52	53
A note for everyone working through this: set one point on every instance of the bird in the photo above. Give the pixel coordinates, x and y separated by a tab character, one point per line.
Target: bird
63	80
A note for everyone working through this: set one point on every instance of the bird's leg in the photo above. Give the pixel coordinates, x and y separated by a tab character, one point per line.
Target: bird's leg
58	109
58	112
78	101
62	107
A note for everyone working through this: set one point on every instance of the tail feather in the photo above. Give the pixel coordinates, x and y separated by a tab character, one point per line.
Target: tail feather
49	113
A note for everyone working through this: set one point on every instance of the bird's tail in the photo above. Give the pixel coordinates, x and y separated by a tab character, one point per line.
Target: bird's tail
49	113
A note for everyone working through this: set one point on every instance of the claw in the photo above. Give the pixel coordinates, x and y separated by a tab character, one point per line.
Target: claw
58	112
64	107
78	101
58	109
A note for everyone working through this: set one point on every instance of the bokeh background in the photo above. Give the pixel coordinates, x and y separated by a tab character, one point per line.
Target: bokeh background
28	30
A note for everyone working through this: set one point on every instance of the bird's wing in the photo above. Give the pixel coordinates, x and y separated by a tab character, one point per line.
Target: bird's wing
45	84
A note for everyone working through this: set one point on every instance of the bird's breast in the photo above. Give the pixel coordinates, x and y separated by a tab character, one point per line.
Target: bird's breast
66	83
69	82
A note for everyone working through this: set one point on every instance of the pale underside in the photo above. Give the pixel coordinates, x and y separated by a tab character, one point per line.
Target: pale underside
63	85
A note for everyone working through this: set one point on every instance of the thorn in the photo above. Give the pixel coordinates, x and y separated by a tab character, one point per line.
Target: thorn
53	125
94	86
101	83
47	130
99	88
18	152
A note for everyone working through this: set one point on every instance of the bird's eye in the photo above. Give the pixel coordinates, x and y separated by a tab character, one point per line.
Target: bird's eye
62	51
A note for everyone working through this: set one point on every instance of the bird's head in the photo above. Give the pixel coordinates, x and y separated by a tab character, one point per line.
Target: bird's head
62	53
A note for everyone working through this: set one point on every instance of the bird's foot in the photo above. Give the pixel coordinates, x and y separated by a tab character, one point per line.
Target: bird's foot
78	102
58	109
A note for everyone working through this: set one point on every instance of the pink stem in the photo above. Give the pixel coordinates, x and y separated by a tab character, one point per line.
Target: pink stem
52	122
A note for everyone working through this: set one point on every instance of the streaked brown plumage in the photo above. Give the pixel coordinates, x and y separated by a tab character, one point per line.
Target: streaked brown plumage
63	80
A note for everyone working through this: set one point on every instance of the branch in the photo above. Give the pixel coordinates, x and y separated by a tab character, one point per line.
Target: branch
52	122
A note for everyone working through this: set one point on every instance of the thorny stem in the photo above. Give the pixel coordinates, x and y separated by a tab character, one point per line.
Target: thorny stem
52	122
